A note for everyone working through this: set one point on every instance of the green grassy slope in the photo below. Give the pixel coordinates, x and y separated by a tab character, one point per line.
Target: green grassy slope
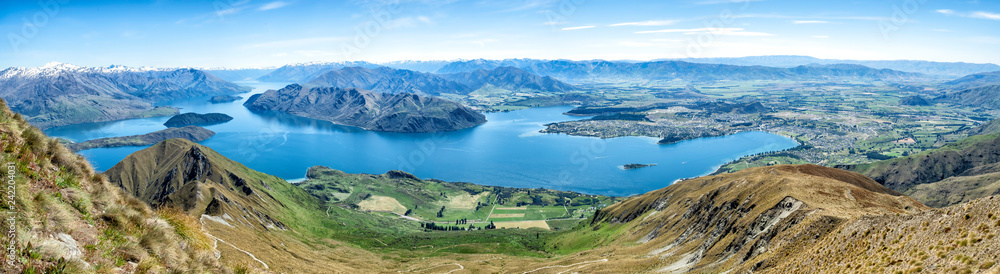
69	219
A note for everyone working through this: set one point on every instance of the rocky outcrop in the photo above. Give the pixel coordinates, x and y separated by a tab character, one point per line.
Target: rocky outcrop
368	110
179	174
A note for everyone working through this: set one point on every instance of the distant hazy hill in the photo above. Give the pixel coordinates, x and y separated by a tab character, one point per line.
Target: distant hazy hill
956	173
509	78
301	73
618	71
400	112
233	75
421	66
914	100
60	94
975	80
389	80
983	96
924	67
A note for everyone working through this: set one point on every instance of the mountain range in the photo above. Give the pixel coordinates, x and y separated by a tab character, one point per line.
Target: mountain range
389	80
944	69
239	74
600	71
302	73
61	94
395	112
217	215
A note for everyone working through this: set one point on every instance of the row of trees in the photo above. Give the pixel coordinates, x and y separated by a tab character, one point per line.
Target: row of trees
434	226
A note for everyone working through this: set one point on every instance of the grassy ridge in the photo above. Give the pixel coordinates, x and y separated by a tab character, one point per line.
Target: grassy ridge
60	202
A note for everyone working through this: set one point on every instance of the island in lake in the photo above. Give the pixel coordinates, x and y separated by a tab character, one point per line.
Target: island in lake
192	118
375	111
635	166
193	133
224	99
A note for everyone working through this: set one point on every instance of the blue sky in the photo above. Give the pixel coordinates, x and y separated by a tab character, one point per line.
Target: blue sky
245	33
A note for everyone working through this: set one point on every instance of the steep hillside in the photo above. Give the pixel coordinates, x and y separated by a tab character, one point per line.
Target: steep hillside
740	221
956	173
70	219
369	110
956	239
990	127
60	94
389	80
260	222
983	96
257	219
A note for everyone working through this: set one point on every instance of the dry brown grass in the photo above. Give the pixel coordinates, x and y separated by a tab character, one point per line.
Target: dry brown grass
523	224
60	194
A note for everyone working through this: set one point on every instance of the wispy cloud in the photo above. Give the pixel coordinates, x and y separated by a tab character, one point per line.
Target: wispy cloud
945	11
576	28
647	23
273	5
810	18
715	31
224	12
810	22
976	14
985	15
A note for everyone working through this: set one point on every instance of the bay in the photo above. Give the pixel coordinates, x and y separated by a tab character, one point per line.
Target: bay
506	151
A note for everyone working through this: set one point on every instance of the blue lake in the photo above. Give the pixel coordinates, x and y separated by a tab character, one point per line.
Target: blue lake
506	151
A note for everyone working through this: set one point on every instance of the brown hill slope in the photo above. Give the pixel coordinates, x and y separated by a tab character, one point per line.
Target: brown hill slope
743	220
956	173
956	239
70	219
258	221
